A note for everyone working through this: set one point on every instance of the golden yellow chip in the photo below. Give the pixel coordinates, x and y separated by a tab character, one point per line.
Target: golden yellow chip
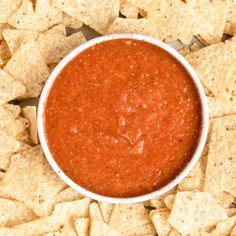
28	67
148	5
67	195
169	201
195	211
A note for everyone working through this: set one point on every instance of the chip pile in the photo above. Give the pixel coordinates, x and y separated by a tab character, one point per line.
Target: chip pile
33	39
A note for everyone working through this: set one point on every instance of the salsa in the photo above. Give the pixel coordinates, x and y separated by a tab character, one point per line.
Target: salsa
123	118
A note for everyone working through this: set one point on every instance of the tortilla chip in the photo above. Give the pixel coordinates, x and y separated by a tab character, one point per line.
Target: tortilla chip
67	195
54	47
25	167
221	164
106	12
194	47
11	124
29	112
4	52
10	89
194	180
9	146
230	22
148	6
95	212
82	226
28	67
224	228
70	21
177	17
129	10
14	212
227	201
7	9
184	51
63	213
130	219
233	232
216	66
106	209
57	29
100	228
159	201
138	26
206	211
229	122
41	19
214	13
159	218
169	201
221	106
174	232
14	38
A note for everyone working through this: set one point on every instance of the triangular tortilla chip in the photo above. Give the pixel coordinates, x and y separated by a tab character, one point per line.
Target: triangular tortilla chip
14	212
129	10
138	26
54	47
106	12
106	209
23	176
14	38
216	66
224	228
41	19
195	211
7	9
28	67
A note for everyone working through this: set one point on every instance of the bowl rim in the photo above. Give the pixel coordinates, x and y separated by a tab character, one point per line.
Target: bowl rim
71	56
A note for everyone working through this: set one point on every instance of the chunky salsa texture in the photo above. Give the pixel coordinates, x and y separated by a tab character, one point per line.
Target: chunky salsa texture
123	118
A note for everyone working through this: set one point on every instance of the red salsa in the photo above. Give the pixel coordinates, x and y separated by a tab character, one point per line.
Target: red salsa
123	118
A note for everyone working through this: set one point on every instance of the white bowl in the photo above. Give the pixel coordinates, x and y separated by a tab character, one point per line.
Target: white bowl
56	72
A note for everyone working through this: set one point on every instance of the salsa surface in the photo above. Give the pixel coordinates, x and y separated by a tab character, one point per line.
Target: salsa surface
123	118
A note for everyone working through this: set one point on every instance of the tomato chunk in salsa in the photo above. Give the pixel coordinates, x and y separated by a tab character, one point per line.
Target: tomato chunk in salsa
123	118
